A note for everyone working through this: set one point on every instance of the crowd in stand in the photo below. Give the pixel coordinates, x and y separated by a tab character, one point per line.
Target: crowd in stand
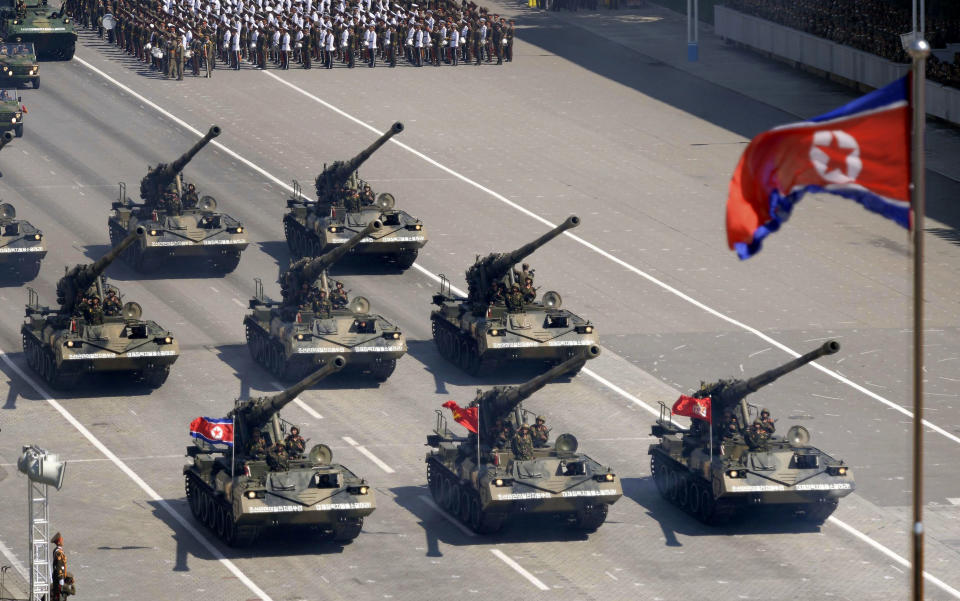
175	35
874	26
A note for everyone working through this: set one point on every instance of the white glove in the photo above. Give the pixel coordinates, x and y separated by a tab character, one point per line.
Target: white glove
61	582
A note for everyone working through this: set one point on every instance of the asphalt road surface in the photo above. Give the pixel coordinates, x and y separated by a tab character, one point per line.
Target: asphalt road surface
579	125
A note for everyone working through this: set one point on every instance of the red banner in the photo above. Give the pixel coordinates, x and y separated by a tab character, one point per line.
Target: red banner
693	407
468	417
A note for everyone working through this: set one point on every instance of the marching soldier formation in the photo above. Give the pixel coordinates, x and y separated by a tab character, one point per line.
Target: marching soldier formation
174	35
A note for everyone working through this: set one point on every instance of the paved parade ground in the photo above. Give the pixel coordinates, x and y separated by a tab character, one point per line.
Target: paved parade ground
599	116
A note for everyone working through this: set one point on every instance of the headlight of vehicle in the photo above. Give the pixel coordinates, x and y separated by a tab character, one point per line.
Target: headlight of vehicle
153	232
335	228
299	336
251	494
70	344
359	490
391	335
37	236
13	120
736	473
837	470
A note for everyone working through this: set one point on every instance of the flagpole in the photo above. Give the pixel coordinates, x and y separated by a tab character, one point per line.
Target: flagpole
919	49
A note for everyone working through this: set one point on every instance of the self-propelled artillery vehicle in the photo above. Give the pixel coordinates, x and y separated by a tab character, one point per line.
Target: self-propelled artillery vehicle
484	484
181	226
51	31
242	491
739	464
291	337
93	331
482	330
21	246
345	204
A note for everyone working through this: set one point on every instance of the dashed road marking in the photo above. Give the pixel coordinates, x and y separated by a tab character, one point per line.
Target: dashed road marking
520	569
366	453
313	412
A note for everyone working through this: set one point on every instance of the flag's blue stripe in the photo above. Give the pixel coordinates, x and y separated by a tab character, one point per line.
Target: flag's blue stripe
781	207
888	94
218	420
210	440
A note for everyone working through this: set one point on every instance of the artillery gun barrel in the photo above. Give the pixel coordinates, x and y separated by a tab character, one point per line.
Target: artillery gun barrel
745	387
503	403
316	266
177	166
259	412
6	138
81	277
502	263
343	170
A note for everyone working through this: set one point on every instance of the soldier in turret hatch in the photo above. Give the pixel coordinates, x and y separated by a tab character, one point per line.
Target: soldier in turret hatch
757	436
540	432
768	422
302	296
729	425
502	435
190	198
528	291
352	201
496	293
523	444
277	458
367	197
514	300
257	449
521	275
295	443
112	305
321	305
171	202
93	312
338	297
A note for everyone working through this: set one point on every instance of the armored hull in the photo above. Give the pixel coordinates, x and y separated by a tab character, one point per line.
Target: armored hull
327	498
478	342
191	239
290	344
21	248
63	350
567	485
800	480
312	231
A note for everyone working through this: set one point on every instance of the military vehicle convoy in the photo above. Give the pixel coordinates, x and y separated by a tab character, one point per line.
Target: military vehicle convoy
180	224
715	474
484	485
239	493
21	246
18	65
63	345
480	331
51	31
314	228
291	337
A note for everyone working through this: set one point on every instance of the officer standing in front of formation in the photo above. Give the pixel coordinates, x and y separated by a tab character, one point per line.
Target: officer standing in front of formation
372	45
295	443
523	444
329	49
59	587
540	432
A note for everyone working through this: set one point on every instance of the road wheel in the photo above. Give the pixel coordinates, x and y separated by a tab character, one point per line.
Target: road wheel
381	371
591	518
683	490
36	83
476	515
221	521
193	497
18	130
694	498
455	495
819	512
672	482
203	505
154	377
230	529
659	472
407	258
347	530
465	496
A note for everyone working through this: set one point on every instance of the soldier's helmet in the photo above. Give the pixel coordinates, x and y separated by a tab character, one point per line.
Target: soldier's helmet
540	418
524	427
764	411
339	284
515	287
294	431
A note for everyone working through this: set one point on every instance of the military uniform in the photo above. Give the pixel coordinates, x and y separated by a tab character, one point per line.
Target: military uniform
338	298
295	444
514	300
112	305
59	570
322	305
277	458
257	449
523	444
540	433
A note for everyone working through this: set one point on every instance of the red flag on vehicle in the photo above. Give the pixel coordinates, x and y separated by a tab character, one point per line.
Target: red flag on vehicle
468	417
23	108
213	430
693	407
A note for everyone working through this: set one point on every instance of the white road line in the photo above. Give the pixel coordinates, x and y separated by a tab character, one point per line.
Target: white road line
520	570
447	516
239	304
300	403
863	537
617	389
14	561
954	500
617	260
366	452
200	538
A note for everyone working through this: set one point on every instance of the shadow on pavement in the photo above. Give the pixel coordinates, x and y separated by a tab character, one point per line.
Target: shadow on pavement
674	521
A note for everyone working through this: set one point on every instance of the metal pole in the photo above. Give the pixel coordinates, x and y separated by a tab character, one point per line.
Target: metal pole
919	50
39	524
692	10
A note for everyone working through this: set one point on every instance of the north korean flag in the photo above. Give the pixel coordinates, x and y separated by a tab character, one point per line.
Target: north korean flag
213	430
468	417
860	151
693	407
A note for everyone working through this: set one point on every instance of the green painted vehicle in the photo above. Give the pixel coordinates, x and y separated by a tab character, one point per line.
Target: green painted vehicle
50	31
11	112
18	65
